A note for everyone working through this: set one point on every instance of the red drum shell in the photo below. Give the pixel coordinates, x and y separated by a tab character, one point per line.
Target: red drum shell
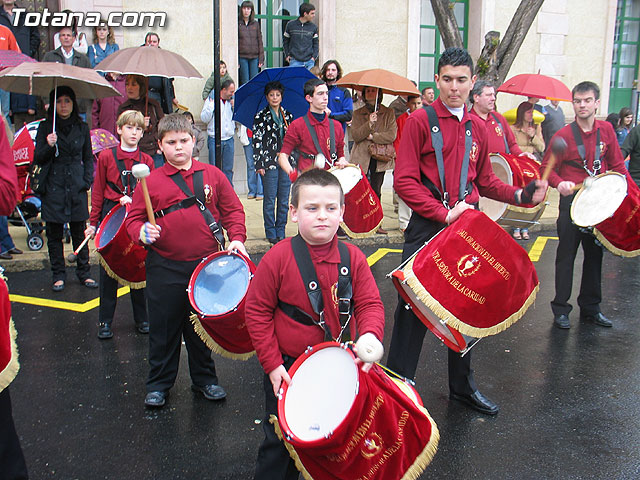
222	279
385	427
620	234
122	256
363	212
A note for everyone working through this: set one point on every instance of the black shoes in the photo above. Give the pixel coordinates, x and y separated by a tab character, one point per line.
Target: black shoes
598	319
15	251
5	256
90	283
210	392
155	399
561	321
57	287
104	331
143	327
273	241
477	401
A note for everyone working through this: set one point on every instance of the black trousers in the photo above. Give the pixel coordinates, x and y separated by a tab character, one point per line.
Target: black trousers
376	179
274	461
169	309
56	250
109	299
408	330
12	464
571	237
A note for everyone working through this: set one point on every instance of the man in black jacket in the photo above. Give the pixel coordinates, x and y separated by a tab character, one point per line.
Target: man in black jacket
23	107
65	53
301	48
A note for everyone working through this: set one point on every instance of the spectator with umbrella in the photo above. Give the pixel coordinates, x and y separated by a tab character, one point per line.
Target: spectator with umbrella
136	89
67	150
7	42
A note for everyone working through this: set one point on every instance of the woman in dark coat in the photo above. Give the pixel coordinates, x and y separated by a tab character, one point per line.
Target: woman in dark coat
136	89
67	152
269	127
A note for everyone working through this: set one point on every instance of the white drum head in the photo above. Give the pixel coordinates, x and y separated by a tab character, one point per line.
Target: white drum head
598	200
321	393
348	176
492	208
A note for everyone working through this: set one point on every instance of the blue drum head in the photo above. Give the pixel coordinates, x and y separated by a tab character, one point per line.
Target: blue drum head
221	285
111	226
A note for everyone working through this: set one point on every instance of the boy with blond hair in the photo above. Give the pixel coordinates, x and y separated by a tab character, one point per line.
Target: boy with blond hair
114	185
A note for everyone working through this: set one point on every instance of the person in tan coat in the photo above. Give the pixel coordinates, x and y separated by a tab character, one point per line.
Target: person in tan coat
373	123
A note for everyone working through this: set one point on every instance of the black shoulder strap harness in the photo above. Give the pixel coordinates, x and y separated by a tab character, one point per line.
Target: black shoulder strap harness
128	180
310	279
507	150
437	143
197	199
316	142
597	163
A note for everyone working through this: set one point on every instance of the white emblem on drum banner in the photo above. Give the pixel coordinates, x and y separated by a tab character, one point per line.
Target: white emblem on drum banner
468	265
473	156
372	445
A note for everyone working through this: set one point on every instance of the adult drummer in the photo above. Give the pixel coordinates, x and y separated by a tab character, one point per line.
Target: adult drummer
114	185
500	137
191	202
592	149
417	182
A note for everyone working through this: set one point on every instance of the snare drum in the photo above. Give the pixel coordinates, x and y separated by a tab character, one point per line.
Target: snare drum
516	171
217	291
611	205
471	280
121	258
342	422
363	212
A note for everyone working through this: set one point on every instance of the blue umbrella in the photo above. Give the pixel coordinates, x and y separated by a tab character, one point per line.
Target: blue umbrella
250	98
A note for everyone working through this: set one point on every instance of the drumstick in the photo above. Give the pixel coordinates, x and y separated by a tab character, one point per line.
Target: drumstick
558	146
72	257
141	172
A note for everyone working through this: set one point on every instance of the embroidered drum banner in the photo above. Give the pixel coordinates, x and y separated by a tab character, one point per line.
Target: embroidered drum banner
474	276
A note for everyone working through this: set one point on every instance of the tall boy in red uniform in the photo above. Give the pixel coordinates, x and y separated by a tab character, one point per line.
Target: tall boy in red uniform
109	190
317	206
179	241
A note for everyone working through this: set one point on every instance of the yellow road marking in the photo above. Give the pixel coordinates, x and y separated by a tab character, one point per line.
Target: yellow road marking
74	307
538	247
534	255
381	252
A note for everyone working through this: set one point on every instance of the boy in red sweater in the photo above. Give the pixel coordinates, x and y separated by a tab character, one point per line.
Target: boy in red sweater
277	305
108	190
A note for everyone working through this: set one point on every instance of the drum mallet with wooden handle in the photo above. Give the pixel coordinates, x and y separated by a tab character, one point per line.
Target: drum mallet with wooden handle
141	172
558	147
72	257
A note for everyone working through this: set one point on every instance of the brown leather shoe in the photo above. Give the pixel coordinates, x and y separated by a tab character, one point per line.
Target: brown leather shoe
381	231
5	256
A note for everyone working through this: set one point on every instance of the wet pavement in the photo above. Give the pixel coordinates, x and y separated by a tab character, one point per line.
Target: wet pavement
569	399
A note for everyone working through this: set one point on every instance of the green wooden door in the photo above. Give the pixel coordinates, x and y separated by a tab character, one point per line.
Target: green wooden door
624	65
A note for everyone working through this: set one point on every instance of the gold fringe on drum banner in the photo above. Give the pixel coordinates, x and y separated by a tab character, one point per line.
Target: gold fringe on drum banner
213	345
273	420
456	323
416	469
121	281
612	248
352	234
11	370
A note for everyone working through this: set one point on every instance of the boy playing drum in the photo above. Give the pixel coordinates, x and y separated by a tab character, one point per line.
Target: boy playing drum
280	316
108	191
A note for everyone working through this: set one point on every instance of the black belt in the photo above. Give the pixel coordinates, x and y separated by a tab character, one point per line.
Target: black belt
186	203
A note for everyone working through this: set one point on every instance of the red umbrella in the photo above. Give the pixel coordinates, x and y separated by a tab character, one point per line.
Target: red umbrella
538	86
11	58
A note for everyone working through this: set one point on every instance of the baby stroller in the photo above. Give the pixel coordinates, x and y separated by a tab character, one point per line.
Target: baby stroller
28	207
